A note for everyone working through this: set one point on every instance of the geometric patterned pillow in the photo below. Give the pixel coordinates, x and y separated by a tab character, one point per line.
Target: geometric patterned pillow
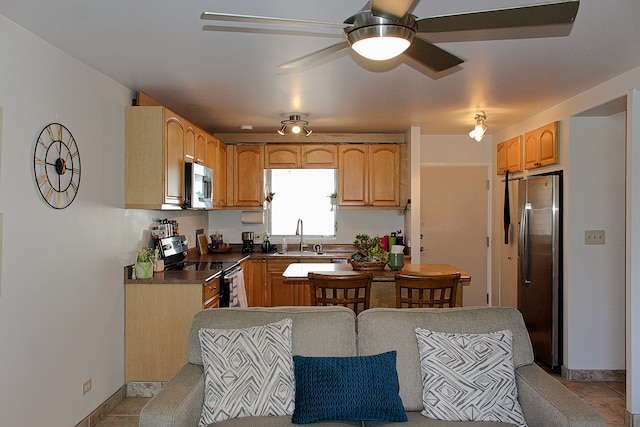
248	372
469	377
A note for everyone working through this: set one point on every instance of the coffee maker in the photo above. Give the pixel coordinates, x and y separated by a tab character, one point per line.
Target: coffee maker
247	241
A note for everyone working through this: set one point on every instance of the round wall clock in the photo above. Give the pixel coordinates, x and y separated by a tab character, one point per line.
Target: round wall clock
56	165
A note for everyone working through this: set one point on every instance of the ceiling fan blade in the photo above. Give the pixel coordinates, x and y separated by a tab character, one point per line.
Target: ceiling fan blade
431	55
314	56
521	16
392	9
213	16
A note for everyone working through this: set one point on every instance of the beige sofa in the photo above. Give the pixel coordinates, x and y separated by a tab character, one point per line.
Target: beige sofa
335	331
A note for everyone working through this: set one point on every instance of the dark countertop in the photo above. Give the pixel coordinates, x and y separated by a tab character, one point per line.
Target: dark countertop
332	252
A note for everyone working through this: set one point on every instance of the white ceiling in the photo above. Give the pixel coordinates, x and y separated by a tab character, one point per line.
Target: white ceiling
223	80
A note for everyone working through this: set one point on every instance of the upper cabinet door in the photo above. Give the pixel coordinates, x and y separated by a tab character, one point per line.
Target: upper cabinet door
509	155
248	175
282	156
384	175
320	156
353	179
175	139
541	146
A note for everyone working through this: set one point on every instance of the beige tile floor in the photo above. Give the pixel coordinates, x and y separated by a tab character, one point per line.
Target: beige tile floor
608	398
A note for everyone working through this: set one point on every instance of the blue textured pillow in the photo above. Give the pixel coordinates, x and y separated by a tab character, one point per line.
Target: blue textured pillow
347	388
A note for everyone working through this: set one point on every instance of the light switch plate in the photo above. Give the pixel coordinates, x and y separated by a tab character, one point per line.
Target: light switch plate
594	237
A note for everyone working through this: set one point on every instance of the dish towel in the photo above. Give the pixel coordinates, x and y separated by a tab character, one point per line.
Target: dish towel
238	292
507	211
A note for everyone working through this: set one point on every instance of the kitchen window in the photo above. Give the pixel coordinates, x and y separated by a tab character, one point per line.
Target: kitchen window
302	194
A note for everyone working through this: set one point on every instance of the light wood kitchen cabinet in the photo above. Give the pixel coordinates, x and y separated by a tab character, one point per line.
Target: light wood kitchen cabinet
220	176
369	175
248	175
211	152
541	146
157	321
279	293
319	156
308	156
509	155
195	144
201	147
154	158
255	282
282	156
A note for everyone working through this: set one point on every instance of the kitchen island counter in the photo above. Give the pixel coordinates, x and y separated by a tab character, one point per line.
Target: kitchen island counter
382	288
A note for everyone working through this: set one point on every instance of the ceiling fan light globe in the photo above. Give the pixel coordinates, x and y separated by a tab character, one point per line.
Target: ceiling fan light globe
380	42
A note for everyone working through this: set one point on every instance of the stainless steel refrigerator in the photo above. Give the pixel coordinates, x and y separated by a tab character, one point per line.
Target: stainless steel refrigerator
540	264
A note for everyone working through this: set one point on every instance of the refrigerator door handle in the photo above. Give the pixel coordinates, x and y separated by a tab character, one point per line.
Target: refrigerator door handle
524	246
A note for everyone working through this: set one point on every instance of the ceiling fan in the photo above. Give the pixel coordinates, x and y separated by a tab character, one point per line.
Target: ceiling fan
384	29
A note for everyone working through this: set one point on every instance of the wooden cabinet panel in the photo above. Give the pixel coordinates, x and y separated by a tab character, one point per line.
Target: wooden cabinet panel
201	147
384	175
175	137
319	156
509	155
292	156
282	156
189	142
279	293
501	158
369	175
353	180
220	199
154	158
541	146
157	322
211	294
256	282
548	140
211	152
248	175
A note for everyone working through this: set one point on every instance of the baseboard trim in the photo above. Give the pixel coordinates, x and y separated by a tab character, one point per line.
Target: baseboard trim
594	375
631	420
103	409
144	388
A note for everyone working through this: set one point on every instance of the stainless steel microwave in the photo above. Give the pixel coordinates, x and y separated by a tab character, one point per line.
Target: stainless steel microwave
198	186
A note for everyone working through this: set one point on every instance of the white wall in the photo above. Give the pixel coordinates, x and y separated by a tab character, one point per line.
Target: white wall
351	222
62	293
596	201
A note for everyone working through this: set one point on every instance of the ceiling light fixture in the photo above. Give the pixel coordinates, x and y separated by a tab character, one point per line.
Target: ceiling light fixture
480	128
378	38
297	125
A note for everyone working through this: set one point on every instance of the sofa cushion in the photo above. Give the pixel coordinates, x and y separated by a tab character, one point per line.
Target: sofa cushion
248	372
386	329
469	377
347	388
317	331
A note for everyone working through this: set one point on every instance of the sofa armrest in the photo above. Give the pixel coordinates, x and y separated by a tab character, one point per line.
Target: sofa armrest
546	402
179	403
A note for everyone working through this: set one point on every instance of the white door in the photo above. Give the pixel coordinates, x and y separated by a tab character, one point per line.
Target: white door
454	217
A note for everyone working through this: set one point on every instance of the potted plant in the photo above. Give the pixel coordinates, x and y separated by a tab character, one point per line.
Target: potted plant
369	254
145	260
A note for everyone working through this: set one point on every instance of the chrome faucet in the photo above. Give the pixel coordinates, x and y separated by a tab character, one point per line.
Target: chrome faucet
300	233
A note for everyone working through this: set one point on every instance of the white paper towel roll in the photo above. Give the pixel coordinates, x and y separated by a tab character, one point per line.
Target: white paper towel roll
252	217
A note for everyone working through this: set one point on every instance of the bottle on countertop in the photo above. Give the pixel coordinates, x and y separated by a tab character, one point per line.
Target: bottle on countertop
392	239
399	238
285	246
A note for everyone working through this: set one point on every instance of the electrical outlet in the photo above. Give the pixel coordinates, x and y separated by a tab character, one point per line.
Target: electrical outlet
257	236
594	237
86	387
